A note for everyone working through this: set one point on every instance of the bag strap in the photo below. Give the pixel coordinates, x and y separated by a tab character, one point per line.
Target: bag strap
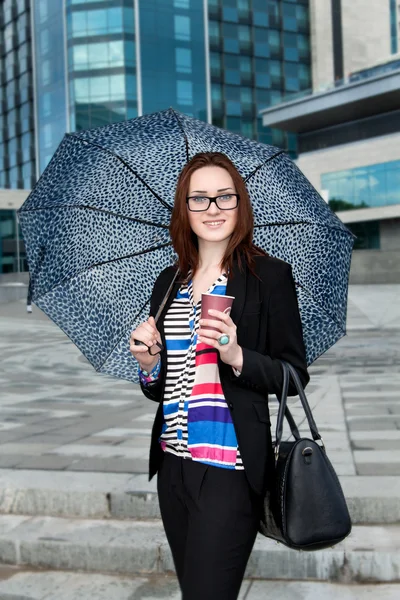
289	370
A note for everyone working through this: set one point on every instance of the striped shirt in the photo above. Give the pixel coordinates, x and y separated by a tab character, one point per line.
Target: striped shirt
197	421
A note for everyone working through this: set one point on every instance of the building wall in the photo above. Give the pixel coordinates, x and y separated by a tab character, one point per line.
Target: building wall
366	33
390	234
321	43
375	266
366	36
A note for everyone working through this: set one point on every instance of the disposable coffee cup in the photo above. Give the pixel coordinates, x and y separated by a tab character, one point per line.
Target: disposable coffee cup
215	302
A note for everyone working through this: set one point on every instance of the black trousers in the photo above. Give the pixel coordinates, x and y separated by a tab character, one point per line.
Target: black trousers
210	516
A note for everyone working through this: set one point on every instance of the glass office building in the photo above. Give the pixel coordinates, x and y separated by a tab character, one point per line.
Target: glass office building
69	65
259	55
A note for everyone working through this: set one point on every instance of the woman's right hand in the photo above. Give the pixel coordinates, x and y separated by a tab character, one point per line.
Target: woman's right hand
148	333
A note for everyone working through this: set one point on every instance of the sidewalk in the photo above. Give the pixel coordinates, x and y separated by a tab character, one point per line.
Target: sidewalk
74	444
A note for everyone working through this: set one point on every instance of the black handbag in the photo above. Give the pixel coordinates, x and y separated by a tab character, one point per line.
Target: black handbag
304	506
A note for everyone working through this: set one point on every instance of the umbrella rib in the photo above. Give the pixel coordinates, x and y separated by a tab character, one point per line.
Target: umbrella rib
100	210
319	305
82	140
105	262
184	134
262	164
305	223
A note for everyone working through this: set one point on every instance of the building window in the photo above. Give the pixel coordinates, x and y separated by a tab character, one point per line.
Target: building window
184	92
363	187
393	27
182	27
183	59
368	235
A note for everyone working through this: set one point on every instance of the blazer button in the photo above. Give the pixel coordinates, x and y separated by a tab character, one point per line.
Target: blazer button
230	405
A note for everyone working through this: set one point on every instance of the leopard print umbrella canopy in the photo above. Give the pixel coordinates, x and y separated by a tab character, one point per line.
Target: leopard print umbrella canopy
96	225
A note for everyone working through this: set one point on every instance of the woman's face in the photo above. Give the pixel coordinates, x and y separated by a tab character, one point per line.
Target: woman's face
214	224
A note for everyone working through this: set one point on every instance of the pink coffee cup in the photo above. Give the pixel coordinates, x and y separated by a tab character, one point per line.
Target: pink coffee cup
215	302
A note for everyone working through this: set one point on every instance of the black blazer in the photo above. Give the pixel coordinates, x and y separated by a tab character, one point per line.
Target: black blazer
268	327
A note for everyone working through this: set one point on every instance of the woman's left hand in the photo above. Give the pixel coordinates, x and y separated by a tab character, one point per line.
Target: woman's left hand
230	353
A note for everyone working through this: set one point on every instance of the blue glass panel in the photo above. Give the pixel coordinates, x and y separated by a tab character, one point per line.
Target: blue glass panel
172	48
230	14
115	19
97	21
233	108
232	76
261	45
260	18
183	57
51	112
182	27
392	195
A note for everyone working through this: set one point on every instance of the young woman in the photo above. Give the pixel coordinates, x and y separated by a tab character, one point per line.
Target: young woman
211	441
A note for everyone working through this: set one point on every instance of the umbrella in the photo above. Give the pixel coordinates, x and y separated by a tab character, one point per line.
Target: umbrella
95	228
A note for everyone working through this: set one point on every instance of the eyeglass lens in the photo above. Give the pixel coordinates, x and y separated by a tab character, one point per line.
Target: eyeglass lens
225	202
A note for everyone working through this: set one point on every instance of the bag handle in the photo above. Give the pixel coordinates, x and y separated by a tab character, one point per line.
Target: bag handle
289	370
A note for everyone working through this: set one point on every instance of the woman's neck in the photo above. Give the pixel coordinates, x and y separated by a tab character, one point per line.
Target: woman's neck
211	255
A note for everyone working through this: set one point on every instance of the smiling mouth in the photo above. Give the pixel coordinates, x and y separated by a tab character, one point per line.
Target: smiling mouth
213	222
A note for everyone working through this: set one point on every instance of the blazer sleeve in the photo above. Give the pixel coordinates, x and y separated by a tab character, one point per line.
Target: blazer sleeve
285	341
152	390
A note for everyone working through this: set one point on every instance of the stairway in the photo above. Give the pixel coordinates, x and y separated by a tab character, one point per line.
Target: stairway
95	529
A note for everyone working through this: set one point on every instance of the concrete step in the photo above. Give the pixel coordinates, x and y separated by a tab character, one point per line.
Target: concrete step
48	585
98	495
369	554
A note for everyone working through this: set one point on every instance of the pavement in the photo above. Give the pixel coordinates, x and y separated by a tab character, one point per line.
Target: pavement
73	467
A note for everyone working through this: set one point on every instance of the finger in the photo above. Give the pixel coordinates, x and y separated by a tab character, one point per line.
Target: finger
142	335
220	315
138	349
206	340
210	323
207	333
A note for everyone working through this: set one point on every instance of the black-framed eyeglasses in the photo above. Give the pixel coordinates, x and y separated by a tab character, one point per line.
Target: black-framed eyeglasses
202	203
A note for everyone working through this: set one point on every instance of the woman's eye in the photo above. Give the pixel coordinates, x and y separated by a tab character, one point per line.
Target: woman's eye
225	197
199	199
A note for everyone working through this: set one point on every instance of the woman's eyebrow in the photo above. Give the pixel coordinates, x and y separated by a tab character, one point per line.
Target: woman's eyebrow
205	192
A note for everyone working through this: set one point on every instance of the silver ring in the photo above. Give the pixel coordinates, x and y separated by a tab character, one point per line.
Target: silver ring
223	340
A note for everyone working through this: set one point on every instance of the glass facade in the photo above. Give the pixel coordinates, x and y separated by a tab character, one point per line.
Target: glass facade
259	53
17	144
101	62
172	50
51	112
364	187
9	236
393	27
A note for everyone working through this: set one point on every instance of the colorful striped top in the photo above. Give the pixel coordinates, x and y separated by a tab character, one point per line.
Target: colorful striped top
197	421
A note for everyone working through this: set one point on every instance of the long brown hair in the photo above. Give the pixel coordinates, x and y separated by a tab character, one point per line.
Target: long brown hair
184	240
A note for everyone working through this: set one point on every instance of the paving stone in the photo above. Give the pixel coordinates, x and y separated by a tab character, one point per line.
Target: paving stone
10	460
373	468
110	465
30	449
50	463
365	424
